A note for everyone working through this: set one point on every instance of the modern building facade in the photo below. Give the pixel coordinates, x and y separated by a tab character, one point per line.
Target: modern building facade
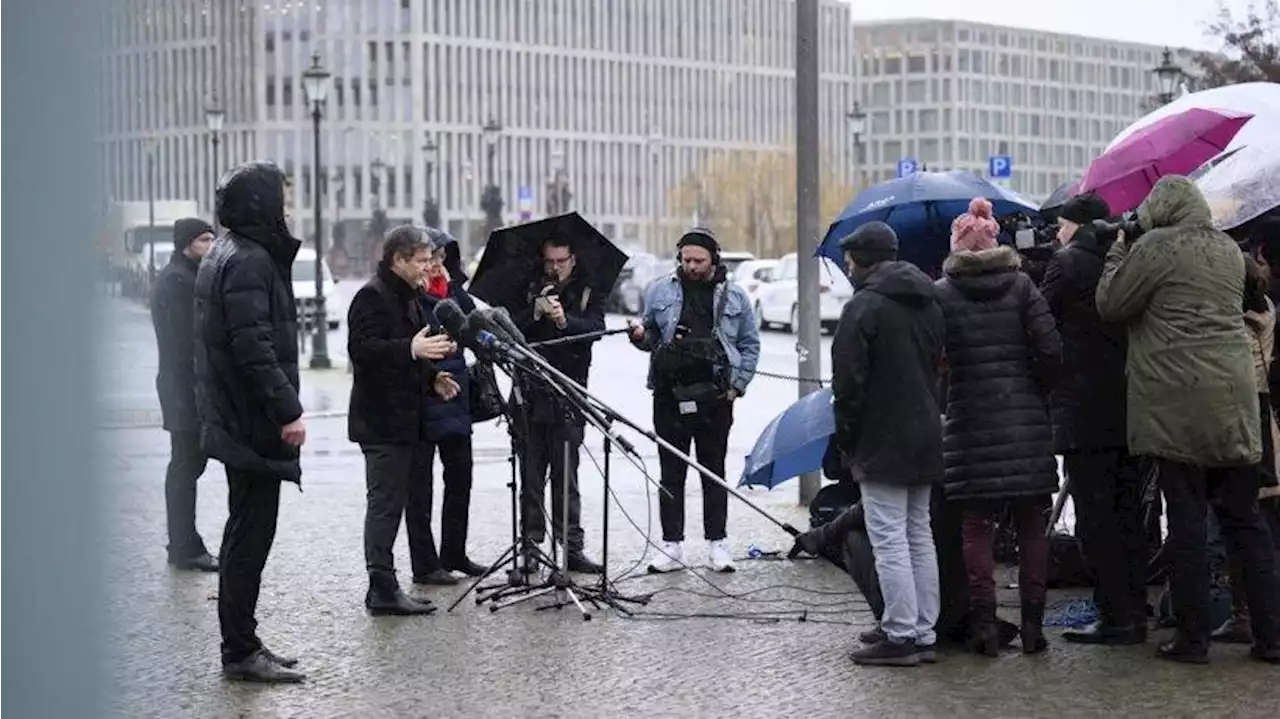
950	95
622	97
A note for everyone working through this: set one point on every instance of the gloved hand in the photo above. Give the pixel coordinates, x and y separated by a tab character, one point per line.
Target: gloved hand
809	542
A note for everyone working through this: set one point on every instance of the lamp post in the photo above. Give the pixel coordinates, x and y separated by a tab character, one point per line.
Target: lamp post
151	212
655	154
214	117
557	170
1167	74
491	198
491	130
315	82
857	120
430	209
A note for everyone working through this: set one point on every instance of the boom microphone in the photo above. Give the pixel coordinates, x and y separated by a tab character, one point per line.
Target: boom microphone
502	319
452	319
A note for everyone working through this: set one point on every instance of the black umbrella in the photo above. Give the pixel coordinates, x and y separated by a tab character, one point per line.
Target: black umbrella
512	259
1059	197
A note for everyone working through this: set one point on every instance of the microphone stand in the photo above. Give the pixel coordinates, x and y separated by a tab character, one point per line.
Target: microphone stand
587	337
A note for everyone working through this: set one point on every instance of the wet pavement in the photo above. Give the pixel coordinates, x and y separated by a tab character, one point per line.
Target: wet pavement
767	641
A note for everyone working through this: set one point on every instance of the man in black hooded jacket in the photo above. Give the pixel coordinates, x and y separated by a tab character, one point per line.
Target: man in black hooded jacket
172	310
247	396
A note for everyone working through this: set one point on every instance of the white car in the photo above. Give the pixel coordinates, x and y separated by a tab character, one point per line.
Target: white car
777	302
304	288
753	275
731	260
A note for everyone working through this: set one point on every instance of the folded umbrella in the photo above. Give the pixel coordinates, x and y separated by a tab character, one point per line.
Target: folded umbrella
1243	185
1173	145
793	443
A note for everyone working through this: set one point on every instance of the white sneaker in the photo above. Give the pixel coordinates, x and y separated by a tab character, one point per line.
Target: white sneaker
670	559
719	556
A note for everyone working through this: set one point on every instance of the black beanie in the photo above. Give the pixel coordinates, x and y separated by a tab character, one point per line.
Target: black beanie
699	237
186	230
1084	209
874	237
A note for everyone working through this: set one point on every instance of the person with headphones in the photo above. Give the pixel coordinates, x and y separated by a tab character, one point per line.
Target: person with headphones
701	333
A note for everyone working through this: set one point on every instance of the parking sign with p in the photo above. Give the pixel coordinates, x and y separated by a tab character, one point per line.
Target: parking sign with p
1000	167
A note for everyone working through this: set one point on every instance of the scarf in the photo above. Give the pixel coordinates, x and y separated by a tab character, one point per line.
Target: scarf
438	286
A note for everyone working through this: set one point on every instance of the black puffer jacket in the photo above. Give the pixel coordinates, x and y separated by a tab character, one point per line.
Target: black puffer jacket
1003	354
247	328
1088	402
584	314
173	316
885	358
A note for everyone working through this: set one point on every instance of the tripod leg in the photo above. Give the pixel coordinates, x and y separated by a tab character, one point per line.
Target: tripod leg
586	616
476	584
604	521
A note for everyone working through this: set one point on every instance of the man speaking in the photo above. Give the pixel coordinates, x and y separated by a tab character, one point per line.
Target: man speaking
559	305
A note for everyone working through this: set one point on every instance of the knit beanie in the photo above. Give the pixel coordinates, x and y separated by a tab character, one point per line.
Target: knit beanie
1084	209
975	230
186	230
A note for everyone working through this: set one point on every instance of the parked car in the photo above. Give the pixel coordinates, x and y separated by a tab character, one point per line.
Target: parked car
628	291
731	260
304	289
753	275
777	303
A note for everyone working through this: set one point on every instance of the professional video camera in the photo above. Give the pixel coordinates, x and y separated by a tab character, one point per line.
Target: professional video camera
1107	232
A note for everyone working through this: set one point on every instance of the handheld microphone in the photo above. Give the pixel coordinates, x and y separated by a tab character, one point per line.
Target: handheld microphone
452	319
502	319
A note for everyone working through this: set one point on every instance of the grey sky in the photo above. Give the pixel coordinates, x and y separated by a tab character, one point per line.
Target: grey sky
1149	21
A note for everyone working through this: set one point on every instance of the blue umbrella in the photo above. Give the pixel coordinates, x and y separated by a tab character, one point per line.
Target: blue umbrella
920	208
793	443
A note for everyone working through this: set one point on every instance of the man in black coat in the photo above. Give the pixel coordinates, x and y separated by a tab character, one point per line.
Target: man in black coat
247	397
173	316
561	304
392	356
885	359
1088	406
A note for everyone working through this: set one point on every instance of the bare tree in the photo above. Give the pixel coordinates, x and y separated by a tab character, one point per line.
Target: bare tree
1250	51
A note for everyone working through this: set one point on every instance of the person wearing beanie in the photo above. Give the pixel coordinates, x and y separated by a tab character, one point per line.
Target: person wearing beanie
885	358
701	332
975	230
172	316
1003	352
1088	410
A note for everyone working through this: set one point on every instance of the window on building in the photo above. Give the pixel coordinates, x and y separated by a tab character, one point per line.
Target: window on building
917	64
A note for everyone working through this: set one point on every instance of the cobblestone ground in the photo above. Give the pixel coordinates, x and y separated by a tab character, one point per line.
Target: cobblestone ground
770	642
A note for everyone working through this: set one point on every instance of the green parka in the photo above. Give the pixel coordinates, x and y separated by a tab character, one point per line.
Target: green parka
1192	395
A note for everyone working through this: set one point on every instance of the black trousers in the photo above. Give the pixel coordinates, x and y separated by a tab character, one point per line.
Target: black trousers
708	432
186	463
1232	492
455	457
1106	487
544	445
397	481
253	504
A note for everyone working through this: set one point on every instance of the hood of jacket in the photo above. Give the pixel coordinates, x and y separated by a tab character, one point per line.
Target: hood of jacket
452	253
250	202
1175	201
901	281
985	274
1086	238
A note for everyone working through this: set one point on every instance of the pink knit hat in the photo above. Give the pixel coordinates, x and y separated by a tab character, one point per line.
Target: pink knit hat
975	230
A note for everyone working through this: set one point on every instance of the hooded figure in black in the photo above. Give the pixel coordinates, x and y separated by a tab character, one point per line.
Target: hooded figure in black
1088	409
885	359
247	396
172	315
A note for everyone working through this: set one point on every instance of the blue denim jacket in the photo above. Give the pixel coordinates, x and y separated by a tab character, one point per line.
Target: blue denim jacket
736	328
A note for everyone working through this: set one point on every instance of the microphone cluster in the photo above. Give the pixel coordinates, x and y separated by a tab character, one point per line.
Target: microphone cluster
484	331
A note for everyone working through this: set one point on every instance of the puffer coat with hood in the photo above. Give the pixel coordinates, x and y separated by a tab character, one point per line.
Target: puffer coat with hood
885	358
447	418
1192	393
247	328
1003	356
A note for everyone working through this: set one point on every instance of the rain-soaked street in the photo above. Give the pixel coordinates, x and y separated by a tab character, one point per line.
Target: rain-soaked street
770	640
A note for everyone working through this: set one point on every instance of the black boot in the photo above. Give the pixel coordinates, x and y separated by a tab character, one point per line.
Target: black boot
1033	641
287	662
203	562
386	599
984	635
580	562
464	565
258	667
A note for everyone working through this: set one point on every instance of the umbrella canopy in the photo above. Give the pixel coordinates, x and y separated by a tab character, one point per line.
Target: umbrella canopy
512	259
1059	197
1173	145
793	443
1260	99
920	208
1243	185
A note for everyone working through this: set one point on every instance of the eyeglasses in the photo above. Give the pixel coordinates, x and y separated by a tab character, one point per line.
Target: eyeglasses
557	261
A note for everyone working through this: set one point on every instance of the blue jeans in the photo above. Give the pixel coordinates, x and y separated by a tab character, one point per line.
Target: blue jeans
906	561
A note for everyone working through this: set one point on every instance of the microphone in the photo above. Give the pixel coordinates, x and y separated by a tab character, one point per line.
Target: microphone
502	319
452	319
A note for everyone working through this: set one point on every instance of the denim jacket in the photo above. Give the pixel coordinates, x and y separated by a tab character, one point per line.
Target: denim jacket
736	328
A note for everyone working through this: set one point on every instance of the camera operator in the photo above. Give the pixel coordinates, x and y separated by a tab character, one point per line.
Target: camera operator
1088	408
702	333
1193	402
560	304
392	358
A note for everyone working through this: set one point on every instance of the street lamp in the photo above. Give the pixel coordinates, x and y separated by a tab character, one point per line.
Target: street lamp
857	120
491	198
214	117
655	152
1167	74
430	210
315	83
557	169
151	211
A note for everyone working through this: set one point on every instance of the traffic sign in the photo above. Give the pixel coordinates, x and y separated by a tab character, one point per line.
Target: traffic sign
1000	167
908	166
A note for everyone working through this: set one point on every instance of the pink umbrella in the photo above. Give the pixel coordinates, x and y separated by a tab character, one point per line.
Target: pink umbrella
1173	145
